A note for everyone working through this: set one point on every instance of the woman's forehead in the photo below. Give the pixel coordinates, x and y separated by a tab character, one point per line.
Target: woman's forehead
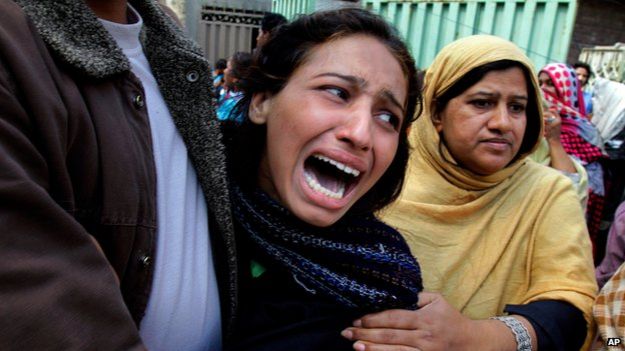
363	57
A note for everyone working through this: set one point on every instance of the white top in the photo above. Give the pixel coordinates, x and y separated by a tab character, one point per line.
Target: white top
183	310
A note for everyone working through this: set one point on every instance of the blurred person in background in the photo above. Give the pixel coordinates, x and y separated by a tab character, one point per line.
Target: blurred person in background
218	76
615	248
551	152
580	139
231	94
268	24
584	73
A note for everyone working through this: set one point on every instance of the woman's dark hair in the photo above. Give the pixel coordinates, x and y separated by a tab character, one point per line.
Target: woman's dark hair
533	126
287	49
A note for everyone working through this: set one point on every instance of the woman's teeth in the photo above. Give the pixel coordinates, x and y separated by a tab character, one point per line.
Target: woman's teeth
314	185
338	165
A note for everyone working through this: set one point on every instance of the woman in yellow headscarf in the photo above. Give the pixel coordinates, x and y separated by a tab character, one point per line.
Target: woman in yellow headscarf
496	234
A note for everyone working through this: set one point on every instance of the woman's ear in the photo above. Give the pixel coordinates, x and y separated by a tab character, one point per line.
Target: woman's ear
436	120
259	108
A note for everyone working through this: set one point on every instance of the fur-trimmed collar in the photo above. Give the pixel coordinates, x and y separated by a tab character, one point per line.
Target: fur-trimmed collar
73	32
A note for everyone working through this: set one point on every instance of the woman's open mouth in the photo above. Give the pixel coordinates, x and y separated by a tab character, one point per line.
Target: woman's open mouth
330	177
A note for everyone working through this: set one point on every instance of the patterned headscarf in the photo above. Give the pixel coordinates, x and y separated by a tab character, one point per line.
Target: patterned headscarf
580	138
569	95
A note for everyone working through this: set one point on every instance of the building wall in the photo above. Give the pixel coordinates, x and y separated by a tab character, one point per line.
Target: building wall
599	22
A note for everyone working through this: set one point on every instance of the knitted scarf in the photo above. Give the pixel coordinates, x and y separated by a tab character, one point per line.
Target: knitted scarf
358	262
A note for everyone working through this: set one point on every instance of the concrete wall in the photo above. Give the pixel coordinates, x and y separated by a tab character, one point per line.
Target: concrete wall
598	22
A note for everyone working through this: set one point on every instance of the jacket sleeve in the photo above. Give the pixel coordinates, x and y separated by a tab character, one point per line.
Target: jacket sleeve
57	289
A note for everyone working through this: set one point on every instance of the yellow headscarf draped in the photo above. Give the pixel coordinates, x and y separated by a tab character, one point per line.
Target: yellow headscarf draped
512	237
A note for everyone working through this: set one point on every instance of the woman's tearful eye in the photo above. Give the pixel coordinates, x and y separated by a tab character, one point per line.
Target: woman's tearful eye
338	92
390	119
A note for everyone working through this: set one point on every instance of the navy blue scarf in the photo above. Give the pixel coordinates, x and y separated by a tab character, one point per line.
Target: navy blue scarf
358	262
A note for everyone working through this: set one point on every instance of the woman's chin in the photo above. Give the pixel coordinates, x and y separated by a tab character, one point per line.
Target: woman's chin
314	214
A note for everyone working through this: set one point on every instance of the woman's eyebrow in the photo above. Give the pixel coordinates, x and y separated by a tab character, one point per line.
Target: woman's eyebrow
520	97
361	83
482	93
388	95
357	81
495	95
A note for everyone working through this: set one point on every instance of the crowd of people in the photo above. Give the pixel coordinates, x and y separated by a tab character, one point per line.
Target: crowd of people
320	192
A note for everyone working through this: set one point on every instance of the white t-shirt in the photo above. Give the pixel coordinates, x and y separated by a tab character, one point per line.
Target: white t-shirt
183	310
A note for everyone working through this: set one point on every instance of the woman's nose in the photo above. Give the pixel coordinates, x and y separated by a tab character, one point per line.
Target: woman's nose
357	129
501	119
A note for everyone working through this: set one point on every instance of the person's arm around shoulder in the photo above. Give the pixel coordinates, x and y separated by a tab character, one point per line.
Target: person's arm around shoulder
435	326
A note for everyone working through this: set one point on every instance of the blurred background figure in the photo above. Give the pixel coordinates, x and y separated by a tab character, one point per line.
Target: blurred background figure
218	76
584	73
609	117
579	137
551	152
615	248
269	22
231	94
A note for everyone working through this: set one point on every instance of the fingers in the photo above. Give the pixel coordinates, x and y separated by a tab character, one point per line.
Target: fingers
385	336
426	298
366	346
396	319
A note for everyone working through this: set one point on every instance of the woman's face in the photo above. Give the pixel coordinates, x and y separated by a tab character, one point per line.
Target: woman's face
484	126
582	75
228	78
333	130
546	83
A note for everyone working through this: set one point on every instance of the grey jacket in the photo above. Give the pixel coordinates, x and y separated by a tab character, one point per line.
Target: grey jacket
77	175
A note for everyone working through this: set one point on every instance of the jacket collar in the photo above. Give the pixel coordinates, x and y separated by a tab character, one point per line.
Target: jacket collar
74	34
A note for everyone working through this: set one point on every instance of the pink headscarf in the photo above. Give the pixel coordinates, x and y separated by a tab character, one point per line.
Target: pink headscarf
569	95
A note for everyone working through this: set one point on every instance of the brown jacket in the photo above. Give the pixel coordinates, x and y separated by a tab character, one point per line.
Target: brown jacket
77	176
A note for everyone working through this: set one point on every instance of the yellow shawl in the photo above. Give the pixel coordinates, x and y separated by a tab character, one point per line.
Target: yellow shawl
512	237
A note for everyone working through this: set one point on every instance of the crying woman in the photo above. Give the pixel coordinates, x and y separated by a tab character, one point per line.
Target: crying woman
328	101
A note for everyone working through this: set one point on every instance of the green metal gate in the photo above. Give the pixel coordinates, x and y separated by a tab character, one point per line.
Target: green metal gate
291	8
543	29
